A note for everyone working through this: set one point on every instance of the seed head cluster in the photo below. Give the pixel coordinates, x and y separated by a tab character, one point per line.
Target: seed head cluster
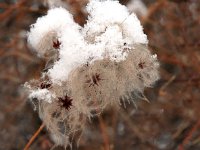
91	68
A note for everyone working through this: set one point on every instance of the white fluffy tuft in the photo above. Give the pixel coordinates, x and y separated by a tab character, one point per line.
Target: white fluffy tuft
89	68
42	94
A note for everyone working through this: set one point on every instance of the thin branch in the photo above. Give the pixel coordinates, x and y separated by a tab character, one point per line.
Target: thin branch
104	134
189	136
34	136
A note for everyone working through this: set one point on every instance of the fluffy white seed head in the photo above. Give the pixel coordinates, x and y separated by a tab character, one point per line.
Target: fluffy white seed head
103	15
48	29
93	67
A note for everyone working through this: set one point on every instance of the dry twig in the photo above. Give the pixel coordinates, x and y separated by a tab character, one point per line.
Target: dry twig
33	137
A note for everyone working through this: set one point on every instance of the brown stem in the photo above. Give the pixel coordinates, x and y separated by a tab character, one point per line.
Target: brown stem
33	137
189	136
104	134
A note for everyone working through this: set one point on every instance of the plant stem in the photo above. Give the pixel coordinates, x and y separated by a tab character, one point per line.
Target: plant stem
34	136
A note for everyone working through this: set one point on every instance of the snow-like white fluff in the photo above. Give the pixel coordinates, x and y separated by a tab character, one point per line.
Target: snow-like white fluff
71	54
102	64
103	15
42	94
49	28
109	28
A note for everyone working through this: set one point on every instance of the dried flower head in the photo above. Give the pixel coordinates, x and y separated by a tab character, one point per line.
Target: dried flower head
56	44
100	65
44	85
65	102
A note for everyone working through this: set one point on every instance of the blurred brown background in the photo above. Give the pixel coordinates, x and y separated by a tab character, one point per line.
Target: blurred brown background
171	121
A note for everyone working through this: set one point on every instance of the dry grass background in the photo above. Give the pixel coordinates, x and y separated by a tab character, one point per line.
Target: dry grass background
171	121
